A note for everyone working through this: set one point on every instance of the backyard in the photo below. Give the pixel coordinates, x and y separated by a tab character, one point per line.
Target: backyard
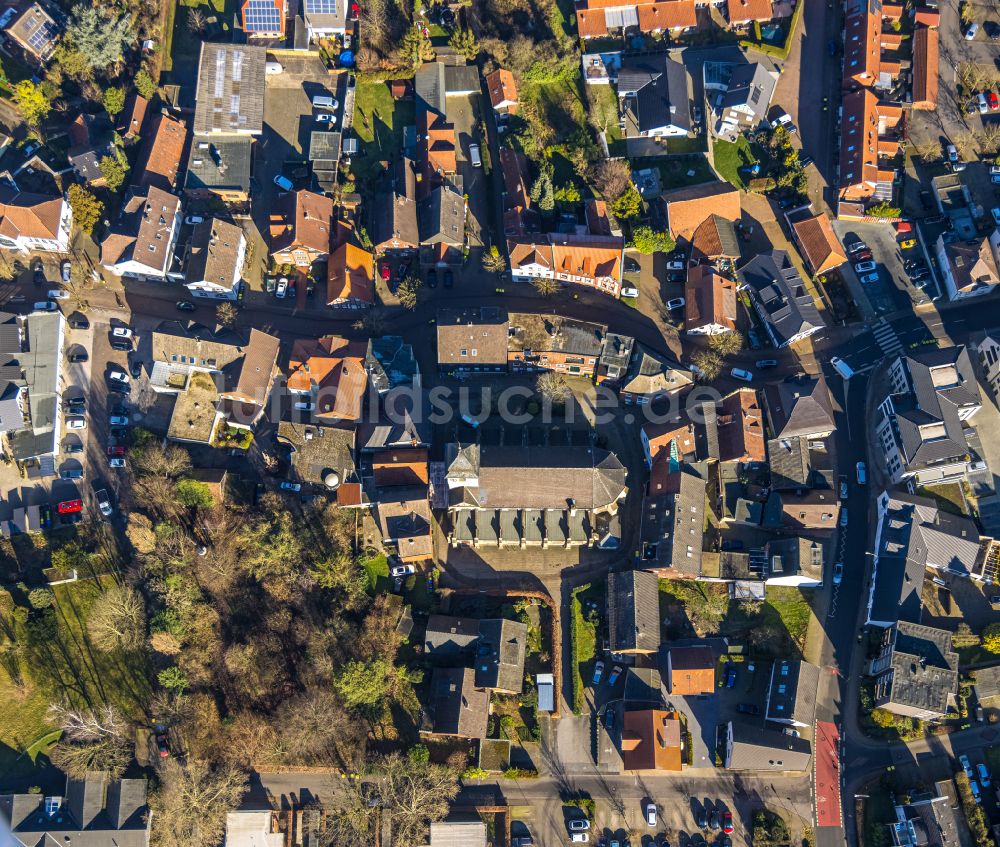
585	610
731	157
183	42
378	121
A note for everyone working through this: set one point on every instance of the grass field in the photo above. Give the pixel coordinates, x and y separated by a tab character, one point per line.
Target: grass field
378	122
676	173
730	157
584	634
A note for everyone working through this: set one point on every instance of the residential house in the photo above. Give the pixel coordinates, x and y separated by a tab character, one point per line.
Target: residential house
734	427
218	168
795	561
499	658
216	253
673	526
599	18
791	695
503	91
674	440
325	18
633	612
437	147
690	671
709	302
913	534
403	420
130	121
456	705
601	68
541	342
750	748
866	140
921	424
616	353
34	222
743	13
404	519
813	509
161	154
450	638
391	363
594	261
969	268
819	244
989	360
404	468
435	82
714	240
651	376
653	96
925	67
779	297
530	258
441	224
690	206
394	214
91	140
800	407
916	672
35	32
987	686
651	741
252	828
140	243
458	834
229	98
515	198
928	820
328	374
350	278
746	89
263	18
300	225
472	340
530	496
96	810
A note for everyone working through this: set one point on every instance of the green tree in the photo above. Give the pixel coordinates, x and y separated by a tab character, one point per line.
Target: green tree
647	240
173	679
194	494
546	197
568	195
41	598
726	343
31	101
991	638
87	209
364	685
114	100
100	33
463	41
145	85
114	172
416	48
71	62
883	718
409	292
629	205
418	754
493	261
884	210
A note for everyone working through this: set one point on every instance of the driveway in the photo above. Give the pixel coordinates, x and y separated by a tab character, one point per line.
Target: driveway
464	113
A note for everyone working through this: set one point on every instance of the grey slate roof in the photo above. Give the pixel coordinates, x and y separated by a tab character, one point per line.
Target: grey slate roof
923	673
752	86
644	685
458	834
213	252
758	749
448	636
41	363
441	217
775	284
219	163
326	20
792	694
799	406
434	81
457	706
500	654
390	363
634	611
654	90
230	92
395	213
987	683
404	420
318	450
95	812
673	525
554	333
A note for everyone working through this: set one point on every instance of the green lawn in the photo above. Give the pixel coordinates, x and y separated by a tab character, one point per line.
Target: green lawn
378	122
584	635
730	157
676	173
377	569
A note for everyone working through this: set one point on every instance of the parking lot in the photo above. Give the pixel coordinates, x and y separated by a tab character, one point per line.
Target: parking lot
893	289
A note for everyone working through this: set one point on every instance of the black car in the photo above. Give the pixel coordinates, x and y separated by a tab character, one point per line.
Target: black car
75	447
748	709
926	200
402	269
631	266
121	344
701	819
935	219
449	279
119	388
805	161
186	306
831	46
77	357
38	272
432	278
713	820
135	368
79	322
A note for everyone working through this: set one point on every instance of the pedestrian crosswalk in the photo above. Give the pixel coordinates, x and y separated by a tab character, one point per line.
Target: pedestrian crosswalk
887	339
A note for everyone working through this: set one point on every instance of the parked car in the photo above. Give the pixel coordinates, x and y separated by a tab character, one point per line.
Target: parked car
121	332
995	212
838	573
432	278
730	676
976	793
972	31
118	376
748	709
868	279
578	825
117	450
79	322
740	373
616	672
38	272
984	775
449	278
785	120
76	358
926	199
290	486
713	819
953	160
116	462
651	814
906	244
185	305
763	364
135	368
992	30
676	303
981	103
843	517
727	817
118	420
162	747
630	291
45	306
326	118
403	570
191	220
598	671
76	423
862	472
580	838
864	267
66	269
843	487
856	247
701	819
121	345
283	182
281	289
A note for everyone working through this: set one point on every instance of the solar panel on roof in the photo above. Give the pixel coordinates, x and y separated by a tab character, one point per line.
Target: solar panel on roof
321	7
261	16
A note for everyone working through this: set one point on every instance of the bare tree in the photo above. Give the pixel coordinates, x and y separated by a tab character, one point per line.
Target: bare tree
409	292
989	139
493	261
612	178
117	620
227	314
708	363
83	725
373	322
191	804
965	144
415	795
109	754
553	386
927	151
196	21
545	286
375	22
169	461
316	729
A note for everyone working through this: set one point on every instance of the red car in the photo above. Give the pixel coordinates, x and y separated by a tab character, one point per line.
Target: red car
355	11
727	823
385	271
991	98
117	450
67	507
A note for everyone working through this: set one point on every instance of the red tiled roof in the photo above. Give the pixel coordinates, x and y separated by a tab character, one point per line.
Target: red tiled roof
162	153
819	244
925	68
741	11
672	14
590	23
501	87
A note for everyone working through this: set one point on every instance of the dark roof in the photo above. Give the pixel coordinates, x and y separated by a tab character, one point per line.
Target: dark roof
799	406
500	654
441	217
759	749
219	163
792	695
403	421
457	706
449	636
318	451
395	212
435	80
95	812
554	333
752	86
987	683
654	88
781	296
644	685
923	671
673	524
390	362
230	93
634	611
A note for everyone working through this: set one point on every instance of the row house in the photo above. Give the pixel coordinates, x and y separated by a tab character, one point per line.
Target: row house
300	226
709	302
213	266
866	140
593	261
140	243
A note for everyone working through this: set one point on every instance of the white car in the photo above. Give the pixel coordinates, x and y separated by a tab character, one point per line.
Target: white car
403	570
45	306
191	220
676	303
963	760
76	423
984	775
972	31
651	814
282	288
676	265
579	825
119	420
838	573
630	291
58	294
116	462
739	373
121	332
326	119
983	105
580	838
118	376
865	267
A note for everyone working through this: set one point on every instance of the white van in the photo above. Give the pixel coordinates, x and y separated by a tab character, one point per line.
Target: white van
273	68
322	101
477	162
841	367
